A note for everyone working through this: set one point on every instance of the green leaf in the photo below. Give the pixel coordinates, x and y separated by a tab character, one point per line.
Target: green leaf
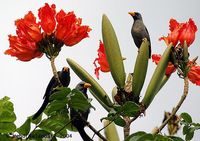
79	101
157	77
175	138
113	116
25	128
55	123
189	135
130	109
38	135
37	120
119	121
162	138
7	127
97	91
55	106
60	93
146	137
135	136
186	129
113	53
140	68
5	138
186	117
6	110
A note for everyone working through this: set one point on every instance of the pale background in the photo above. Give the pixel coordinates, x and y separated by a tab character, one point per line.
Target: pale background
25	82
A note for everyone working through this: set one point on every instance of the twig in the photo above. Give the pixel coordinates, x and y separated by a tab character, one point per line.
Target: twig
52	59
60	130
134	118
127	127
185	93
102	128
32	131
94	130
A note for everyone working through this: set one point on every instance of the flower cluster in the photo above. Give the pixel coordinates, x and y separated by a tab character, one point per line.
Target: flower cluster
180	32
58	29
102	61
193	73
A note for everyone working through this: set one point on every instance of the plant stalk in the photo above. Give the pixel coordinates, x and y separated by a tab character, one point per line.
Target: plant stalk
183	97
52	59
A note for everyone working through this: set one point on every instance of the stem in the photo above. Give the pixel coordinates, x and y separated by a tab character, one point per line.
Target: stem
185	93
93	129
60	130
52	59
127	127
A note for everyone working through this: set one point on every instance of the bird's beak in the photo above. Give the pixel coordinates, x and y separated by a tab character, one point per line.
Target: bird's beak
87	85
66	69
131	13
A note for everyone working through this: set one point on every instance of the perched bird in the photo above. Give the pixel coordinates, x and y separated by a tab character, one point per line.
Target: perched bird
78	117
64	77
139	31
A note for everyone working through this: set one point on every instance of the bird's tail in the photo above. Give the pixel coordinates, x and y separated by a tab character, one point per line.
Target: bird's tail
42	108
84	135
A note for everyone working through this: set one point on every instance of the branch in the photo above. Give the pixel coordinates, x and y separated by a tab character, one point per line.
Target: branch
185	93
94	130
52	59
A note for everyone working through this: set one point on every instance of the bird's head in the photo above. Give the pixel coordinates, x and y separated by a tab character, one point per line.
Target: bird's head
82	86
65	76
135	15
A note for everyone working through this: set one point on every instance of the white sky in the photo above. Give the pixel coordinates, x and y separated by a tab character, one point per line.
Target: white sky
25	82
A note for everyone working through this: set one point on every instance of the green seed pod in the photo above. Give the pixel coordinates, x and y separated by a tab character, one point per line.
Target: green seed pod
113	53
140	68
154	84
96	89
111	131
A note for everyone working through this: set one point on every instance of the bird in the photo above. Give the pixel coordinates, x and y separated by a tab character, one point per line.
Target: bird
64	77
79	118
139	31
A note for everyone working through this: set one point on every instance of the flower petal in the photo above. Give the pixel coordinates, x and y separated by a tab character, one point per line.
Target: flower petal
194	75
47	17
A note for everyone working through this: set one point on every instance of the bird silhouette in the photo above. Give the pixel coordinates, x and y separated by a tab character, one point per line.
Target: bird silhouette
139	31
78	117
64	77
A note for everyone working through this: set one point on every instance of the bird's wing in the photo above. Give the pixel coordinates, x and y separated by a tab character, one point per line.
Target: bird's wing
52	84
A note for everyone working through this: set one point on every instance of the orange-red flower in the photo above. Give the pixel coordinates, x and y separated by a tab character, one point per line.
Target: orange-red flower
28	28
170	68
58	29
102	61
69	29
23	49
194	75
47	17
180	32
187	32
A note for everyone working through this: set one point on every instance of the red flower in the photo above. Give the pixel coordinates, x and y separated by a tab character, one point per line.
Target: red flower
69	29
187	32
58	29
102	61
194	75
180	32
28	28
170	68
22	48
47	17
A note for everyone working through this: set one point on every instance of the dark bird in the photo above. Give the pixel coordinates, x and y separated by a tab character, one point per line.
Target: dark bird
139	31
64	77
79	118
